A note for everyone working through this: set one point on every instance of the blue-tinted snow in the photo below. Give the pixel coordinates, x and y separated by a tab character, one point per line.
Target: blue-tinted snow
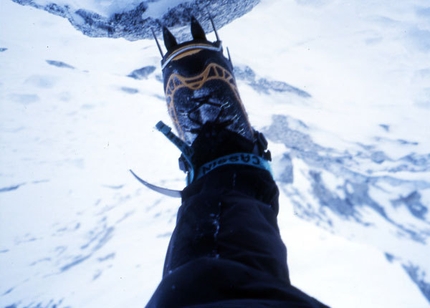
142	73
262	85
10	188
133	20
340	90
59	64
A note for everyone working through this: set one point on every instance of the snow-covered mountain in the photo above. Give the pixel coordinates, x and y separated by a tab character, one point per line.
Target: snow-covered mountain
136	19
341	90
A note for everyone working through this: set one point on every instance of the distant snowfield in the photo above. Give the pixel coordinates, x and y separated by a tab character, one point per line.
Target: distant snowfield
158	8
352	161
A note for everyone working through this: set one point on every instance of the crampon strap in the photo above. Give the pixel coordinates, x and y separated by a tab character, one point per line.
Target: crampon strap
185	149
248	159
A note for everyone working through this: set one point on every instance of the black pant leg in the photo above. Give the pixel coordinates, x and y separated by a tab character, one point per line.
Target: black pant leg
230	214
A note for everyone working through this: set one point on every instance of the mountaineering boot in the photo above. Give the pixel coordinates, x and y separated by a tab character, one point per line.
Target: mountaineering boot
205	107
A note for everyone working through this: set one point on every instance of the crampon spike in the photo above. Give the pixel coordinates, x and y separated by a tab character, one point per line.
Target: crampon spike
196	30
213	26
169	39
158	44
229	57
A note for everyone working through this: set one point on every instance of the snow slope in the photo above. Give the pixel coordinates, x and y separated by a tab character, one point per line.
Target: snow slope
340	89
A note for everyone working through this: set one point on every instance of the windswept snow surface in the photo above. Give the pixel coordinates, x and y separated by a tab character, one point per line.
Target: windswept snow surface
341	90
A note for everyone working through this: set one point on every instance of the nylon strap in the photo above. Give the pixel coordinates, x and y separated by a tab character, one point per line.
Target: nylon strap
247	159
186	150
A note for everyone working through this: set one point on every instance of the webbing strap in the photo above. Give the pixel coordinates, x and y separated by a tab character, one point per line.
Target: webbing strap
247	159
186	150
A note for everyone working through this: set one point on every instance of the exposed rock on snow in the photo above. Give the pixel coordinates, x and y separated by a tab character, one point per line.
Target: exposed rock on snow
134	24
